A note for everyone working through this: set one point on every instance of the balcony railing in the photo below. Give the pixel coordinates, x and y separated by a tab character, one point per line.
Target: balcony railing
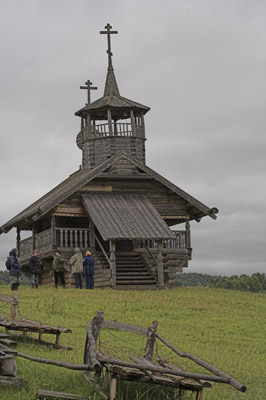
179	242
114	129
71	238
66	238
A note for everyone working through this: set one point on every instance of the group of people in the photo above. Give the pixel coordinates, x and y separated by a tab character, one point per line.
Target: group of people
80	267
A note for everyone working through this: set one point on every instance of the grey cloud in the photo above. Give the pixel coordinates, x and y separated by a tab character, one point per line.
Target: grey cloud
199	65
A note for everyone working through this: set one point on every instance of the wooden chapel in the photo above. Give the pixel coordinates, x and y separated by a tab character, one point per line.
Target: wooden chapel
114	205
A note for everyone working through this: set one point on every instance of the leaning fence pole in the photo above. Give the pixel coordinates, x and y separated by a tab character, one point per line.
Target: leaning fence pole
233	382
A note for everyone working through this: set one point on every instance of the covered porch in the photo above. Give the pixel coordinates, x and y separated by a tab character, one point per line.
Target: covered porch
131	242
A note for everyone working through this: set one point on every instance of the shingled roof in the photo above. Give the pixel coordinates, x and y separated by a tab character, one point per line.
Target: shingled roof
112	102
125	216
82	177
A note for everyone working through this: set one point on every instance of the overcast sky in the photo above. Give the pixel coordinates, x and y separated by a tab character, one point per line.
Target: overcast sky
199	64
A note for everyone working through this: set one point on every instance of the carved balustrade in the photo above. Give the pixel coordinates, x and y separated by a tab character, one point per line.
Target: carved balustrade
72	237
179	242
118	129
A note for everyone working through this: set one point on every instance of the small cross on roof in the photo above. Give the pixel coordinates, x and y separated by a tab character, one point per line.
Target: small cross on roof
88	87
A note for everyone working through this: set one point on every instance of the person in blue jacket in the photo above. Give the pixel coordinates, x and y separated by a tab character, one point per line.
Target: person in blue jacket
88	270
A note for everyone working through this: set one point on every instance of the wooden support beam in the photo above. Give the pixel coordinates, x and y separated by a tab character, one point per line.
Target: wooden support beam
87	132
53	231
113	263
109	116
188	237
91	234
18	240
133	123
33	235
160	264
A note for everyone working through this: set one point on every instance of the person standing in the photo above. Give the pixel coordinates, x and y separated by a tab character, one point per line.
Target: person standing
15	270
88	270
35	269
76	262
59	269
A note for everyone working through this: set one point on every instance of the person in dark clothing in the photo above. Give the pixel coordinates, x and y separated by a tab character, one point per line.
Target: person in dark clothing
15	271
88	270
35	269
59	269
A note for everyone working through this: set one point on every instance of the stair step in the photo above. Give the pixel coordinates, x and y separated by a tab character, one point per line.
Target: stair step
129	267
135	287
134	278
126	254
131	273
129	282
135	273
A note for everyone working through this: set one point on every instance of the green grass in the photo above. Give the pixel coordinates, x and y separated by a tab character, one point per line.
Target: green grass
224	328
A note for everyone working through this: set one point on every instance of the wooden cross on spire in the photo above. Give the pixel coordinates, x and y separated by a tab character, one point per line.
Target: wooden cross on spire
108	32
88	87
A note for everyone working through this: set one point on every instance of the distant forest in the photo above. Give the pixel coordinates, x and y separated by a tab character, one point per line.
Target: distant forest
5	278
255	283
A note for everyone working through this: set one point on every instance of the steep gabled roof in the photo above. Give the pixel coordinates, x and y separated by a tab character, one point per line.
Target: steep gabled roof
82	177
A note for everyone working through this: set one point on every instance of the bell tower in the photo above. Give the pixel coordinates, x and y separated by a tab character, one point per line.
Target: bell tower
112	123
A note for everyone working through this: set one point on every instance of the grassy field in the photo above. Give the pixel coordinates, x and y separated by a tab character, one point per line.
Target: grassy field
224	328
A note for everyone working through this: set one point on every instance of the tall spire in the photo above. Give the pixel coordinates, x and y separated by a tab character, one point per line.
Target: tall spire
111	87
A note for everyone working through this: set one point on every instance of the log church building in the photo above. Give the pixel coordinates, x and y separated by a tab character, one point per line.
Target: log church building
114	205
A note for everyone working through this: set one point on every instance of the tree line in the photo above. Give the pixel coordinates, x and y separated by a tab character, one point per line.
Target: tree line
5	278
255	283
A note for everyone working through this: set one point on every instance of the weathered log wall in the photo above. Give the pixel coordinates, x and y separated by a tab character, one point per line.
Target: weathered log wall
96	151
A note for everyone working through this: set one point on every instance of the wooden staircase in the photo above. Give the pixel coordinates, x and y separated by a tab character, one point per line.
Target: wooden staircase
131	273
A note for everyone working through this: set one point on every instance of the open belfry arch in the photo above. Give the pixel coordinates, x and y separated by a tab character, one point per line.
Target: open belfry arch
114	205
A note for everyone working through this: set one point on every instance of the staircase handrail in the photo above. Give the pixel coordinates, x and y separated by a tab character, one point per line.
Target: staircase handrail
148	250
101	247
